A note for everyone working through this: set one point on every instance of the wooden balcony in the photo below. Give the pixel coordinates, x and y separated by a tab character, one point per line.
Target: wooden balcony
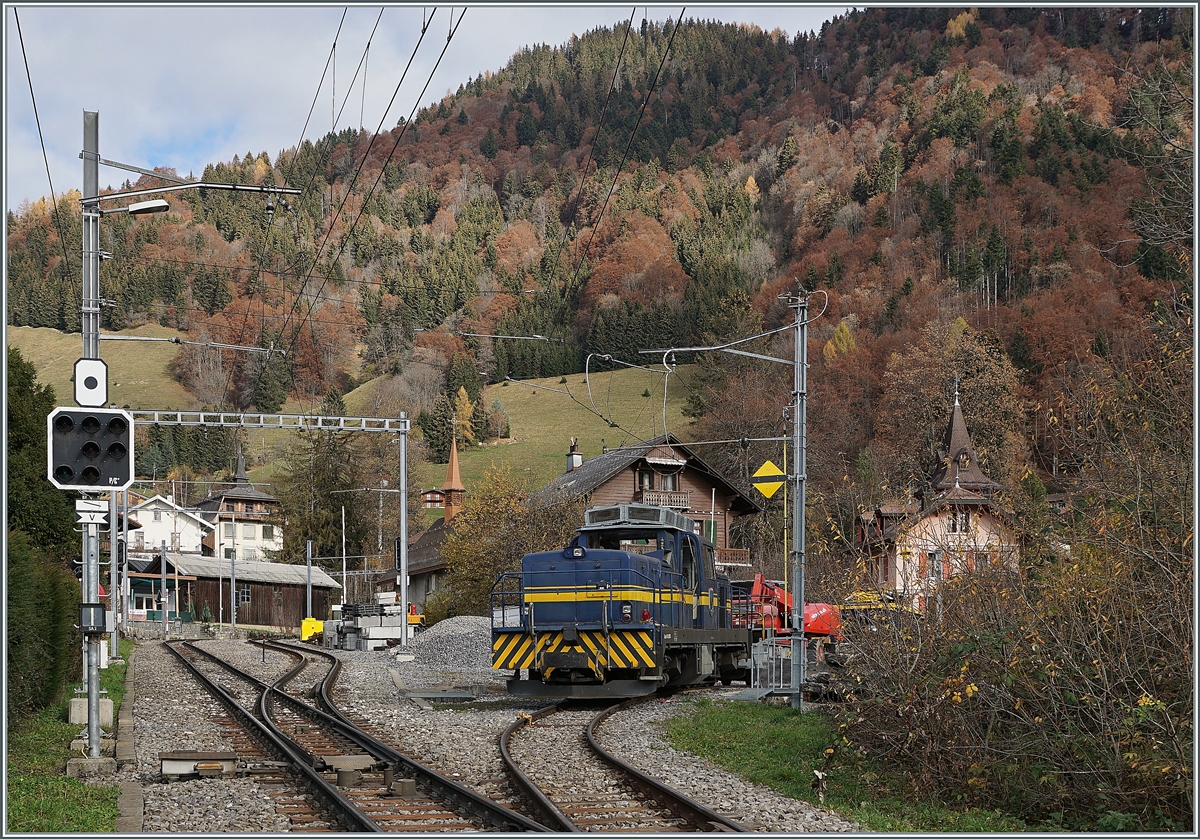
663	498
736	557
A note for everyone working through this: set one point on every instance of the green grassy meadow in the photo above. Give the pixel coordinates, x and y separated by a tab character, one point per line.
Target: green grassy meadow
779	747
137	370
544	414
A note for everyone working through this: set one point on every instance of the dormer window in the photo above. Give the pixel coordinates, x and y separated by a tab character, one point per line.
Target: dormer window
960	521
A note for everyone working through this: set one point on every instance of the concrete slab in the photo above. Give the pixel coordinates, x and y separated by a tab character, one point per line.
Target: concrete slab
91	767
396	677
751	694
81	745
441	695
348	761
129	809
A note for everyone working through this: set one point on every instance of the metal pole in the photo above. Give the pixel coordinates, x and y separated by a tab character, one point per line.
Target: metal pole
382	484
344	551
91	592
233	578
163	593
308	588
125	587
90	322
799	431
113	598
402	576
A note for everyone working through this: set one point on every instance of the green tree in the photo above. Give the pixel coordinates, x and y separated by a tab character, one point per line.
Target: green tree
317	467
435	426
34	505
42	648
489	146
495	528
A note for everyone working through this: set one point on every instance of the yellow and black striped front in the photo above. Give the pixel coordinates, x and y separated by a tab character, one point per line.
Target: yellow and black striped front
617	649
512	650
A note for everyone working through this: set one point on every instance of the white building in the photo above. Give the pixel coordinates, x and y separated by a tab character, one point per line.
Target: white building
243	522
955	527
165	522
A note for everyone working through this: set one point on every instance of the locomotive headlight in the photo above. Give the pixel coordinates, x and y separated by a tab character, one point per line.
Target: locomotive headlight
576	552
627	611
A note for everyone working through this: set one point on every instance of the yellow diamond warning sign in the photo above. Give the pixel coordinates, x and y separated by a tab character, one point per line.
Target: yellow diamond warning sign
768	479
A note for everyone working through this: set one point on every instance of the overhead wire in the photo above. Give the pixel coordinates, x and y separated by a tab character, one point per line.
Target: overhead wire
629	145
395	145
41	139
353	180
592	148
271	218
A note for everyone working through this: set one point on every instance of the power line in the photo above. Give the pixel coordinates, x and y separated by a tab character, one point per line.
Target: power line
595	137
358	170
54	199
395	145
629	145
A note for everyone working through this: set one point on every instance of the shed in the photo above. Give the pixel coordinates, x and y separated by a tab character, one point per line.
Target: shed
269	594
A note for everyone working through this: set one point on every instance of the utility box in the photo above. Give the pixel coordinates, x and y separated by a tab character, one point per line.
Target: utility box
310	627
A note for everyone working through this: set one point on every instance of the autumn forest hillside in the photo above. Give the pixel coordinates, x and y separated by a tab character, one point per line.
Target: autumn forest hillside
915	166
993	204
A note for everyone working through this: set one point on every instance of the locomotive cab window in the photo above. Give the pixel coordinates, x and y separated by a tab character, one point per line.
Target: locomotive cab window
710	562
687	567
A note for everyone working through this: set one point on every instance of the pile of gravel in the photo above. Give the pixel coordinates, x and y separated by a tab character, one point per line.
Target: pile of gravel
463	642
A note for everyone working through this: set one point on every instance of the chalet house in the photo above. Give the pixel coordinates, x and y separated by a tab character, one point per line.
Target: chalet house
241	519
954	526
165	522
268	594
663	472
433	499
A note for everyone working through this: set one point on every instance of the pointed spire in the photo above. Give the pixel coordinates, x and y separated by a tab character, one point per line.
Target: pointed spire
453	489
240	476
958	464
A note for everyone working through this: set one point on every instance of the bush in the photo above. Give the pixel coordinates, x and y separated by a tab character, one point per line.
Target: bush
42	643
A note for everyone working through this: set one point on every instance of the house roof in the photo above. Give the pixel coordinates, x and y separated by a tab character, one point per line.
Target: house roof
250	572
958	463
586	477
157	501
425	552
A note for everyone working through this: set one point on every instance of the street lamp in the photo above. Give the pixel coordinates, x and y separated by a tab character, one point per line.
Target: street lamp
90	323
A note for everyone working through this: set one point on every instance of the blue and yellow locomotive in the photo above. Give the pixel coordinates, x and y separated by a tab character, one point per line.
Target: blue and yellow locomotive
632	604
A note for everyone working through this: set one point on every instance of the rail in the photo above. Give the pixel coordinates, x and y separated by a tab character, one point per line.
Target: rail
700	816
549	811
355	819
486	809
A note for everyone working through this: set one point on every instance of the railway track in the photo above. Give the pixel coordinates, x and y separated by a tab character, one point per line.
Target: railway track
362	784
556	759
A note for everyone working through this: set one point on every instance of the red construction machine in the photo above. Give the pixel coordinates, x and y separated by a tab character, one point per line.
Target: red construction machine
765	607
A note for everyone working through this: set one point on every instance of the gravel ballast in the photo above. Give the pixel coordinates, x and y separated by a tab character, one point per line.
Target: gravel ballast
458	740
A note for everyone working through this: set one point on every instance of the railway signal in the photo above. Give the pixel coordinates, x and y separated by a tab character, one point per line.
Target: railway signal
90	448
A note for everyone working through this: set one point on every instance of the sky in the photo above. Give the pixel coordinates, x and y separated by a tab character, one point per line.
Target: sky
185	86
